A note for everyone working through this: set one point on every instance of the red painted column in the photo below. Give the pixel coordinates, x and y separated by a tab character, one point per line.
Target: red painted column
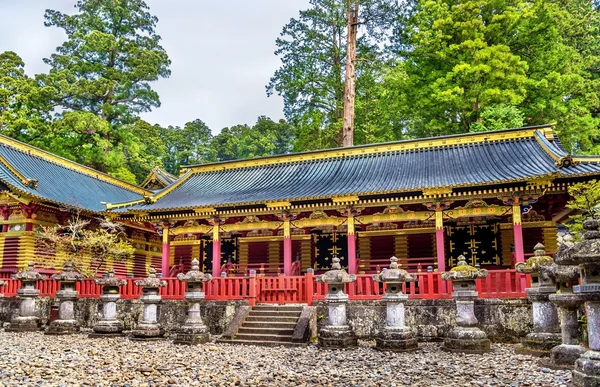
166	251
518	233
216	251
351	245
287	247
439	241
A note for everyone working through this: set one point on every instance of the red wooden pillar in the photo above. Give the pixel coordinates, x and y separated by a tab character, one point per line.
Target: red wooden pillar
518	233
287	247
216	251
166	251
439	240
351	245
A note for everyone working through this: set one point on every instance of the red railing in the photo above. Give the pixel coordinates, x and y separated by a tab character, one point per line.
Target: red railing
297	289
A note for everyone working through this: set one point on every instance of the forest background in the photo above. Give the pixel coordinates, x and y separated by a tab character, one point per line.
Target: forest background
423	68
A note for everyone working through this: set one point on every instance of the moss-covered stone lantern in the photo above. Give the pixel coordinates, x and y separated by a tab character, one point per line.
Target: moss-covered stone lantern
546	331
465	336
568	304
67	297
109	325
586	254
149	328
336	333
28	319
193	331
396	336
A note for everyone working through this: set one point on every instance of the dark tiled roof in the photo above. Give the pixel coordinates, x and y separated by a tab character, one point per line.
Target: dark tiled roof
512	158
58	180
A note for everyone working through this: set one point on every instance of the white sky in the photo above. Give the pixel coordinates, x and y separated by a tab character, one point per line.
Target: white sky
221	53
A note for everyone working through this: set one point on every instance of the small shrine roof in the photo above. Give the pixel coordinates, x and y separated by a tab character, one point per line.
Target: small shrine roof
28	170
439	163
158	179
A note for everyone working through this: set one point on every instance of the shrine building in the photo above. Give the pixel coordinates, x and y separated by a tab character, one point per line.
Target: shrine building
489	196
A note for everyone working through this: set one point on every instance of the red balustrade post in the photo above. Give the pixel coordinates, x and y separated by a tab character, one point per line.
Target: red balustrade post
310	283
252	288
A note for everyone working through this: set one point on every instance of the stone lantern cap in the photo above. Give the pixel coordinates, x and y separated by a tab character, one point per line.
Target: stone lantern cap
68	275
110	279
194	275
586	251
394	274
29	274
535	263
336	275
151	281
463	271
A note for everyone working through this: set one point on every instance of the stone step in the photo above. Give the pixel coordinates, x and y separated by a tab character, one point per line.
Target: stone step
262	337
265	331
267	319
278	308
268	313
269	324
264	343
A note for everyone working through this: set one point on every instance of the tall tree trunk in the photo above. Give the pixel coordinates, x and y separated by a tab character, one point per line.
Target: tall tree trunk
350	81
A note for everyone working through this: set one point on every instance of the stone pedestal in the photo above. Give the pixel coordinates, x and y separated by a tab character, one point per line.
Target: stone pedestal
337	333
193	331
108	324
67	297
396	336
546	331
28	319
465	337
567	303
148	328
586	254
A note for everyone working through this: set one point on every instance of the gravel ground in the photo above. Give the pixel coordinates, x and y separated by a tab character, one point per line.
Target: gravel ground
34	359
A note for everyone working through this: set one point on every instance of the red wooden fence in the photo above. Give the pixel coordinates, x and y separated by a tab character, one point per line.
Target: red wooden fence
297	289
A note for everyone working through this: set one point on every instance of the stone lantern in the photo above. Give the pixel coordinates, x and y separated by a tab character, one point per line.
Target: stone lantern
586	254
148	328
28	319
396	336
568	304
546	332
67	297
336	333
466	336
193	331
109	325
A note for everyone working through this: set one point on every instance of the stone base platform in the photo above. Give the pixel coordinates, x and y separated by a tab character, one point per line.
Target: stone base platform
587	370
62	327
24	324
108	327
538	344
564	355
192	334
467	340
337	337
148	332
396	340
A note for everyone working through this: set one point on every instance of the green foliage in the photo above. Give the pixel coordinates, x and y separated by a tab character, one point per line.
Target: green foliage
498	117
23	114
311	78
586	201
186	146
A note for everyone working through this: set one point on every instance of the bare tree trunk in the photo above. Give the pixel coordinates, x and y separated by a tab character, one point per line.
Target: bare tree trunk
350	81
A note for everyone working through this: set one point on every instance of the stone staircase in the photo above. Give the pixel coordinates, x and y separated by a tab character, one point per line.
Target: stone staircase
269	325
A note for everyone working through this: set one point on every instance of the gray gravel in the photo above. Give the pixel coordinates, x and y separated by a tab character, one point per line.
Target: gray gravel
37	360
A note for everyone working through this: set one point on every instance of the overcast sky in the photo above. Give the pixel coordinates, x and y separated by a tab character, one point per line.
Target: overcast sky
221	53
